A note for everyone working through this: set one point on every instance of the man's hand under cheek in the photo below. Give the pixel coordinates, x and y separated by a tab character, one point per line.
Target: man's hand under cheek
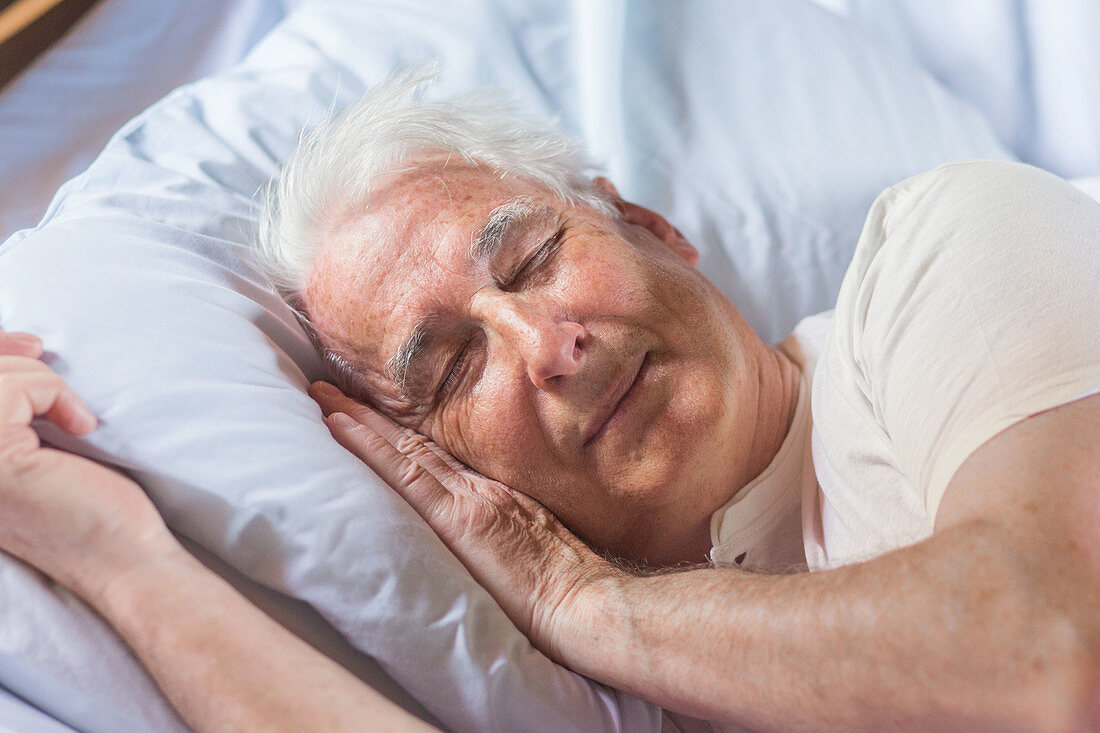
544	577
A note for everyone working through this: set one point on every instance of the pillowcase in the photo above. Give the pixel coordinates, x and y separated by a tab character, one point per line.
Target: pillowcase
138	280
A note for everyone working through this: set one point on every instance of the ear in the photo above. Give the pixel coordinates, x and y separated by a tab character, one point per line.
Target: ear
651	220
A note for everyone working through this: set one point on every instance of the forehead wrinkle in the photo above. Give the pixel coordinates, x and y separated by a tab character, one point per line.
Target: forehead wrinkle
502	222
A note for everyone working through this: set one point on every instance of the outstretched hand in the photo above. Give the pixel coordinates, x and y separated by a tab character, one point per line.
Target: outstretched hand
535	568
77	521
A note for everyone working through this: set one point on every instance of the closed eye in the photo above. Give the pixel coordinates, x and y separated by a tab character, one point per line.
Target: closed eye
468	360
455	372
548	249
541	255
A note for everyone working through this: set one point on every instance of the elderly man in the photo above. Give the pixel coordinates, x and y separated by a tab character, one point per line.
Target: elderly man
555	387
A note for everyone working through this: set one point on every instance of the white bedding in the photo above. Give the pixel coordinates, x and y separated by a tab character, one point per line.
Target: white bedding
18	716
777	215
1031	67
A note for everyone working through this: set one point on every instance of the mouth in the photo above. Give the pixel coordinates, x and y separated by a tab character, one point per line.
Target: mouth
619	400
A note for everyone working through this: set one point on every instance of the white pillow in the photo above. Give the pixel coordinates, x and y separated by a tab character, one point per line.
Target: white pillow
138	280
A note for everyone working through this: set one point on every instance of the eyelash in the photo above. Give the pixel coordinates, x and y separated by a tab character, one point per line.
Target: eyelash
456	370
541	255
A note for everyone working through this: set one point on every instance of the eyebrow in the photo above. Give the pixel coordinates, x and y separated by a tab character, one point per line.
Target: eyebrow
503	222
404	368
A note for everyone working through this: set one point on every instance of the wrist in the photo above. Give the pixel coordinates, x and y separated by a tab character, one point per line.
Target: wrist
590	623
116	580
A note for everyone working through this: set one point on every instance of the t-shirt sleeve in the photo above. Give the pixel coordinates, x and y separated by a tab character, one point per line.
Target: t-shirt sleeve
973	302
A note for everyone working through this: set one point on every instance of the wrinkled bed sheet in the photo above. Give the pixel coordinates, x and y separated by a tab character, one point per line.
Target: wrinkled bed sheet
1040	115
1031	67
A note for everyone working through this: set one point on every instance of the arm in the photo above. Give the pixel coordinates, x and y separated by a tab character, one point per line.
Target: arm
225	665
222	663
990	623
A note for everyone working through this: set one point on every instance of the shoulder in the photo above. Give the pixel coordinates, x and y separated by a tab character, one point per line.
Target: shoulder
971	303
988	237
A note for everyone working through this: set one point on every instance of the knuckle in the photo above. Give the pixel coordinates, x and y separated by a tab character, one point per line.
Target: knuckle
411	444
491	512
481	515
411	473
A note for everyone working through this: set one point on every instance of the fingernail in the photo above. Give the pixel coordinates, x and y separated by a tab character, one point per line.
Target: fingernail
91	421
343	420
325	388
86	419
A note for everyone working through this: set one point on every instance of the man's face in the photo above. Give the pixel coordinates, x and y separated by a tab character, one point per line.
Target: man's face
576	357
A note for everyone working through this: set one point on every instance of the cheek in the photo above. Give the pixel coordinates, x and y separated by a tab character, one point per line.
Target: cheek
644	282
602	283
492	429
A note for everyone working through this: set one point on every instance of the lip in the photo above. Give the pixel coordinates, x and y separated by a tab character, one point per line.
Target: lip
624	390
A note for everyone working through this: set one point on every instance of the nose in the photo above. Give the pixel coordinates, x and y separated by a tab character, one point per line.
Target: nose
549	346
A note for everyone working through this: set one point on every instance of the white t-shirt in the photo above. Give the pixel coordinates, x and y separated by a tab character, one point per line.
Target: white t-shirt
972	302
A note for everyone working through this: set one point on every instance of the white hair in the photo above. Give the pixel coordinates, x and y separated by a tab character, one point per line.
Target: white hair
336	163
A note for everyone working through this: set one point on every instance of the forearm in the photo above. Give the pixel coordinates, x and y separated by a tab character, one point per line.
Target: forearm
955	631
225	665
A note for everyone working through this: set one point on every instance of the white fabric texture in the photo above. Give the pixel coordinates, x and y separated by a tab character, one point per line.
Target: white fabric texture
971	304
138	281
1029	66
16	716
1090	185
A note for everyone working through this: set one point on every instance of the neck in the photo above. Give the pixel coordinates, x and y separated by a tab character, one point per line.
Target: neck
779	380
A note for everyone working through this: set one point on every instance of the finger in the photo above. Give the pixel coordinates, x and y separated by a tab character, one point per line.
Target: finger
20	344
19	450
17	439
25	395
450	461
386	427
408	443
427	495
331	399
70	412
10	363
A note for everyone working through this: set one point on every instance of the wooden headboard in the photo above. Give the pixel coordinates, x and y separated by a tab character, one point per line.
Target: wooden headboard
28	27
